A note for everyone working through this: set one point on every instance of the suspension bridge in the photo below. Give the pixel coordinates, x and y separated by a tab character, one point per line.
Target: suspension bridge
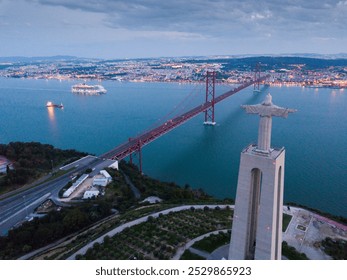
134	145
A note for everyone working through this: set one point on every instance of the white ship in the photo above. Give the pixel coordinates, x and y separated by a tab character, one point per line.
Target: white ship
88	89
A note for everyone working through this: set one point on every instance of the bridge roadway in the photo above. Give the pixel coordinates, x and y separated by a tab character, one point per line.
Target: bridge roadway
134	144
14	209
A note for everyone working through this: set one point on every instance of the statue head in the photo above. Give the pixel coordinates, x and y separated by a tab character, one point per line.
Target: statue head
268	100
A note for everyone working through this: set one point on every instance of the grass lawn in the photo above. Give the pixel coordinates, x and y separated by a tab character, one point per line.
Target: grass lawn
188	255
212	242
286	220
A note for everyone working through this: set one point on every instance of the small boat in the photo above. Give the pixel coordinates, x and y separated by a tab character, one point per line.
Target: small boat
51	104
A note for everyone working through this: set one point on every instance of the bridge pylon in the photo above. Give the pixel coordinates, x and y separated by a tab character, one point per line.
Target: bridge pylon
138	151
257	72
210	94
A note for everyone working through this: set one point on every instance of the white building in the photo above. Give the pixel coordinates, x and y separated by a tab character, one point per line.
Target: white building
92	192
102	179
106	175
75	185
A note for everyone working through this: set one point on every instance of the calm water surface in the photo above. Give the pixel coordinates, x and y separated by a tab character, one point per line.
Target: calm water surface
315	137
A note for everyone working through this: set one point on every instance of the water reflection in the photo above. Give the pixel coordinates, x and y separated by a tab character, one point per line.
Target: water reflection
51	115
52	121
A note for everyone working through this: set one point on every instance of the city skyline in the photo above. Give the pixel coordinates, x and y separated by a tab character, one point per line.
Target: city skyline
130	29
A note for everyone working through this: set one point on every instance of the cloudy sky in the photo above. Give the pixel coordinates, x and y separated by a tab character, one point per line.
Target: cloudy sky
152	28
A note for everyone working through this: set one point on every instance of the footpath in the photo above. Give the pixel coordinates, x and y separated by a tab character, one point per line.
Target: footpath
304	232
120	228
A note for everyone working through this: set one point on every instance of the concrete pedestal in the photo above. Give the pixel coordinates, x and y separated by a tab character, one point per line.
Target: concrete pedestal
257	222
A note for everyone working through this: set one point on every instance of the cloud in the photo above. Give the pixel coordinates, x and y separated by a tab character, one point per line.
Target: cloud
342	3
213	17
214	26
259	16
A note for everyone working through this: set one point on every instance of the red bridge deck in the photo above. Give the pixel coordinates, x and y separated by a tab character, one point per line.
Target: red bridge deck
147	137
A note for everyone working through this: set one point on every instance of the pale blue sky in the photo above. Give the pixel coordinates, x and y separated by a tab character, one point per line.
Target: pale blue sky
152	28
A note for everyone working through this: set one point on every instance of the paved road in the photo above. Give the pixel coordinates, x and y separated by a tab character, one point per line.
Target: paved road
222	252
15	209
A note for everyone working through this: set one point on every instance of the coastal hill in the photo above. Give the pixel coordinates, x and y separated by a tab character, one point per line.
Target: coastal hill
275	61
65	229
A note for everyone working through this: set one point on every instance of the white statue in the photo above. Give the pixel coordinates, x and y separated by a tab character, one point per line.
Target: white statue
266	110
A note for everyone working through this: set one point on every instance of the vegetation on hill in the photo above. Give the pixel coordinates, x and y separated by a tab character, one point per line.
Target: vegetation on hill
121	197
169	192
188	255
159	238
54	226
36	159
32	160
336	248
291	253
212	242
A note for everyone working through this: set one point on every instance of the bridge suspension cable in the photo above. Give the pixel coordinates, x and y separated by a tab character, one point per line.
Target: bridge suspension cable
135	144
177	109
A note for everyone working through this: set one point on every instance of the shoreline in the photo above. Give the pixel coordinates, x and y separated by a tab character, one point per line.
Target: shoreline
271	84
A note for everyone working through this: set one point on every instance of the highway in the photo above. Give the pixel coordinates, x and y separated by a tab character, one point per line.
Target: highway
16	208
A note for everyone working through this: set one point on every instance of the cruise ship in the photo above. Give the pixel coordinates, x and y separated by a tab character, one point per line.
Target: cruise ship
88	89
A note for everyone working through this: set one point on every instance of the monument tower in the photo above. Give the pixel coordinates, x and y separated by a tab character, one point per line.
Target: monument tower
257	223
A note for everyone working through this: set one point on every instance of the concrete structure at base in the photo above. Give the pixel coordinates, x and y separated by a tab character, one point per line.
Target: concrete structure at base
114	165
257	222
75	185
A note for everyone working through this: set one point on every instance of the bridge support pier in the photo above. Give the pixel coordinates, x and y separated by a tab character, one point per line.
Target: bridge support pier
210	93
256	86
134	145
138	151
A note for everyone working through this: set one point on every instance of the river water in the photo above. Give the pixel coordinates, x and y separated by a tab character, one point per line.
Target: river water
204	157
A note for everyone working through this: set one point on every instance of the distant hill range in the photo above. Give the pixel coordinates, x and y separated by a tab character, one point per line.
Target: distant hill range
274	62
24	59
241	62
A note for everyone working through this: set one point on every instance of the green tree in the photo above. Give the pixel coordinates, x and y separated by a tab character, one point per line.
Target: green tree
75	220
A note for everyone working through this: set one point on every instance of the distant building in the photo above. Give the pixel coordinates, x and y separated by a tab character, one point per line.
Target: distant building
102	179
92	192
